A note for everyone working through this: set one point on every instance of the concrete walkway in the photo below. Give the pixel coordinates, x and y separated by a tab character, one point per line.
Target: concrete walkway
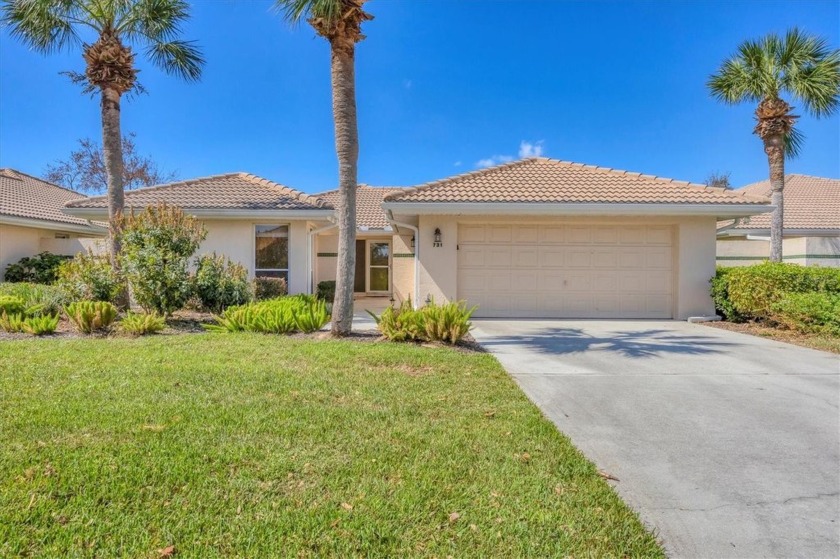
727	445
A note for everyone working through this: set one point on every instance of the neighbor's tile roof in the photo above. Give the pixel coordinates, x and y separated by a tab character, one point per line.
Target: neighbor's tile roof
22	195
234	191
810	203
369	212
543	180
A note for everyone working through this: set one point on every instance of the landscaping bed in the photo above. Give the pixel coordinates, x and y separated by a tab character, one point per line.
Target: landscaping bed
814	341
259	446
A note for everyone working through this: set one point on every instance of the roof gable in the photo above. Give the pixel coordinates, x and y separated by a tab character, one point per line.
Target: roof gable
810	203
29	197
542	180
232	191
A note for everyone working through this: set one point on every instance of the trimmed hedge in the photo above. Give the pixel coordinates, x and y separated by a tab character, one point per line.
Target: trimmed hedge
798	297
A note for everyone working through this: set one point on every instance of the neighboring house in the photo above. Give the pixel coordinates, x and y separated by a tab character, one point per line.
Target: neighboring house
532	238
811	226
32	220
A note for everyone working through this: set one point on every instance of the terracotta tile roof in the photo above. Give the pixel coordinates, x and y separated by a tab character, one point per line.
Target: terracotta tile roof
369	211
543	180
23	195
233	191
810	203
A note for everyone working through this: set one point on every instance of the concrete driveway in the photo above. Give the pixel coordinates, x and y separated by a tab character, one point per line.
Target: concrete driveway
726	444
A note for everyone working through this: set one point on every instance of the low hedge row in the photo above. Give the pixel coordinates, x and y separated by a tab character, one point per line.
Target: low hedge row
798	297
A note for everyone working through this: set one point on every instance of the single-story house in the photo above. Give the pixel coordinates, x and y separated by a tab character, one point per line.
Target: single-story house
532	238
32	220
811	225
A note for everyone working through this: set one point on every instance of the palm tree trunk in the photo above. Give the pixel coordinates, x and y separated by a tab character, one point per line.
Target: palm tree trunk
112	151
774	147
347	148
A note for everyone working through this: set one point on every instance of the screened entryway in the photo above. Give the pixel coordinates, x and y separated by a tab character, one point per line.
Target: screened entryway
373	266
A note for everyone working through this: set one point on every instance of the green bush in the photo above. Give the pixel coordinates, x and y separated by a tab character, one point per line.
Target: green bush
401	324
284	315
447	323
91	316
11	304
269	288
11	323
720	295
139	324
752	290
157	245
40	325
326	291
219	283
41	268
89	277
37	299
808	312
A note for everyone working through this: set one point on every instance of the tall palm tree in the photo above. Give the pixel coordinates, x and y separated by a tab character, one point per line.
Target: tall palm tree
798	65
340	23
52	25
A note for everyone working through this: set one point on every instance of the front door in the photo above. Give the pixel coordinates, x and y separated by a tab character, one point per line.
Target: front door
379	266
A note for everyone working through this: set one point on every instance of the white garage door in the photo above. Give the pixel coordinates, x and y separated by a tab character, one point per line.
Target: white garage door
566	271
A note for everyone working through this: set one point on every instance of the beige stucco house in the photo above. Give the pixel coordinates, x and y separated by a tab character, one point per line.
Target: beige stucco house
532	238
32	220
811	225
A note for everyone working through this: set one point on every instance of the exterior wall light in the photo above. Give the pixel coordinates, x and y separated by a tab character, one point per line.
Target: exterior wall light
438	241
412	242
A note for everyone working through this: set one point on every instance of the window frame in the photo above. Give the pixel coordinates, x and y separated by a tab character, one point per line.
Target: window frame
288	238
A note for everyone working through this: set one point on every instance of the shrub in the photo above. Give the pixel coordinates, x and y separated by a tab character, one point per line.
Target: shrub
809	312
269	288
219	283
91	316
41	268
40	325
11	323
89	277
401	324
285	315
157	244
720	295
138	324
326	291
37	299
11	304
753	290
447	323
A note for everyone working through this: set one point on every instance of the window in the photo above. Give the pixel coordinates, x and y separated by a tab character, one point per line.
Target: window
271	259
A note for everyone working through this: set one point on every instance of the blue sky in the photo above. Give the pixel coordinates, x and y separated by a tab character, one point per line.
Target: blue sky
443	86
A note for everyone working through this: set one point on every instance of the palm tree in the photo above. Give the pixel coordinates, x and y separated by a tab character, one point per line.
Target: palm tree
799	65
340	23
52	25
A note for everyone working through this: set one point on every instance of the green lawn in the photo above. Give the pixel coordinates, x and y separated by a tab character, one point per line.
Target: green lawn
257	446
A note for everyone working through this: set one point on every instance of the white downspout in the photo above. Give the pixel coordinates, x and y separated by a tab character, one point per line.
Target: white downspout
309	255
389	215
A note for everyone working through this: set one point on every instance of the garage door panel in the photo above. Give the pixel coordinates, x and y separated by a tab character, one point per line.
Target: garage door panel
566	271
578	257
552	257
500	233
525	234
526	257
472	234
499	256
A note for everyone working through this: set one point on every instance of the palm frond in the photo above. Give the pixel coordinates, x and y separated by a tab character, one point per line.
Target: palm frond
154	20
794	140
295	11
796	63
44	25
181	58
